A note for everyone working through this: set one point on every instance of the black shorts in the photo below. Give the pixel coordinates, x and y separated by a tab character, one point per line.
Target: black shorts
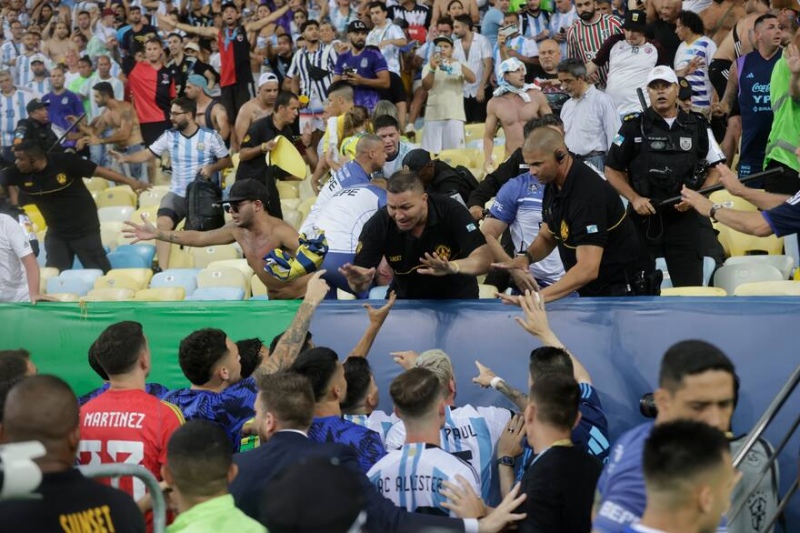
233	97
153	130
396	92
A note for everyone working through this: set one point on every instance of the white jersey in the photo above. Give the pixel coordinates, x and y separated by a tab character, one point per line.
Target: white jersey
412	477
391	53
349	175
377	421
470	433
189	154
38	88
12	110
24	72
14	245
9	51
628	70
343	216
390	167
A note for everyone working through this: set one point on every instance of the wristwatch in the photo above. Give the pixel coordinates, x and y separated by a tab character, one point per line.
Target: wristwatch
506	460
529	257
714	209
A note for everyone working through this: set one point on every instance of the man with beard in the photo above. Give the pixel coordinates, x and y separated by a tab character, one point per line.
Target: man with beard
258	107
236	80
194	152
56	47
260	139
40	83
587	35
535	22
210	113
363	68
252	227
135	36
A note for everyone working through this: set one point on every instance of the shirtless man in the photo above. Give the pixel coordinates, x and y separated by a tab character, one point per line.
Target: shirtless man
56	47
258	107
719	19
120	117
252	227
514	103
84	25
207	107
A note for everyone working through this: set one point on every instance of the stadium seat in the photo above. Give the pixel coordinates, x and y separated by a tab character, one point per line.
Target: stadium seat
239	264
257	288
180	257
116	196
109	295
36	217
76	263
709	265
474	132
784	263
46	273
769	288
74	285
217	293
479	173
456	157
65	297
96	184
110	233
290	204
288	189
306	190
293	218
176	277
88	274
127	260
116	213
693	291
144	250
152	197
723	197
344	295
729	277
223	277
106	282
160	294
742	244
378	293
486	292
142	276
150	213
205	256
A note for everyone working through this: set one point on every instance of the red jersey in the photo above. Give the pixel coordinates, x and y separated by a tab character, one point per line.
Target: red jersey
151	92
130	427
234	57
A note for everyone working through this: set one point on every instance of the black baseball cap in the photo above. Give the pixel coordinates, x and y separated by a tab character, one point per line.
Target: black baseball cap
248	189
357	25
443	39
684	89
635	20
416	159
35	105
226	5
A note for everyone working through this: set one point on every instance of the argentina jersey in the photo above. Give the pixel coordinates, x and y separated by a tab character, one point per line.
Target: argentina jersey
189	154
24	72
349	175
39	88
12	110
396	164
518	204
377	421
471	434
344	215
366	443
412	477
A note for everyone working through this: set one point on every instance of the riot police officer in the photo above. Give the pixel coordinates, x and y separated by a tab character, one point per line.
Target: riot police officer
652	157
37	127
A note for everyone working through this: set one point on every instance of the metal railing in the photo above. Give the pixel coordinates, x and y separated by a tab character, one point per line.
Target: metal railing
755	434
150	481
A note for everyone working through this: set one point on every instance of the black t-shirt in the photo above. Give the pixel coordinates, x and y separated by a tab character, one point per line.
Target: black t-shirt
556	95
560	485
71	502
450	231
133	41
60	194
664	33
261	131
588	211
489	187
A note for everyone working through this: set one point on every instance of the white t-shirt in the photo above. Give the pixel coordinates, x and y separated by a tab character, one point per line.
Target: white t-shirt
480	49
412	477
629	67
14	245
391	53
351	174
470	433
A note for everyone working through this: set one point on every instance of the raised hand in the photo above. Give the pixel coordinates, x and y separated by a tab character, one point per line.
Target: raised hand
141	232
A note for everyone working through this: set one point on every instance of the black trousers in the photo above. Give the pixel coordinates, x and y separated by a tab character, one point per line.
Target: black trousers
233	97
682	239
89	249
475	110
785	183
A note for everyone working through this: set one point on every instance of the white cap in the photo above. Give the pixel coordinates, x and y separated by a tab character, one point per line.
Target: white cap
266	78
38	57
663	73
192	46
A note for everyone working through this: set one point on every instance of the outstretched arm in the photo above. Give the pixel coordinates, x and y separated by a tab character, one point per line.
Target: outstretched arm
376	319
147	232
485	379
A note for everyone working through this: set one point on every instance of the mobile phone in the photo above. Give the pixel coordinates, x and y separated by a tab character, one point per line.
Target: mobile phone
508	30
351	71
437	49
562	30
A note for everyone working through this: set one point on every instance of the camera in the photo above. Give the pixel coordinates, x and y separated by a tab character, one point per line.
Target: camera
647	406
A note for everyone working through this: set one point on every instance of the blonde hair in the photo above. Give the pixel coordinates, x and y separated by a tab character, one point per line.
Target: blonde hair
438	362
357	117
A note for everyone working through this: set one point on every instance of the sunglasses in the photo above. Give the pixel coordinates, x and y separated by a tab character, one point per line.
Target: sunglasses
233	207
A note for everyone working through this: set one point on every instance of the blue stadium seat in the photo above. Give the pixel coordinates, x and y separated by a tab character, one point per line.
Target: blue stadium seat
177	277
87	274
127	260
76	264
74	285
145	251
217	293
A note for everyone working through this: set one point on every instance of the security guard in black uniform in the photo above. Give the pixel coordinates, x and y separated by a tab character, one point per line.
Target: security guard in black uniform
652	157
37	127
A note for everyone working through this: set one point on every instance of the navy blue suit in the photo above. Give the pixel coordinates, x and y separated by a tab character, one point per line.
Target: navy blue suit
260	466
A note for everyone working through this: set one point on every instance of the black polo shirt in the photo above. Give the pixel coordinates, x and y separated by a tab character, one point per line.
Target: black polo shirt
60	194
588	211
450	231
261	131
664	34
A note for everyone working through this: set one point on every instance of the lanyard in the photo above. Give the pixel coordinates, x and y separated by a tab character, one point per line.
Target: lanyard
566	443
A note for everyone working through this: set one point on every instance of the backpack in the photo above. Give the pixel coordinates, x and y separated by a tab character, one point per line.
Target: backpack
763	503
454	181
204	205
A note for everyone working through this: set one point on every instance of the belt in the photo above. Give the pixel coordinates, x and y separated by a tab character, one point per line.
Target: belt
591	154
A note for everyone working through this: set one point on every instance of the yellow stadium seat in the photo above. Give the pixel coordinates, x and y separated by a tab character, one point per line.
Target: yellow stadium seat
479	173
106	282
498	155
768	288
743	244
142	276
344	295
36	217
239	264
257	286
306	190
456	157
150	213
474	132
115	213
116	196
152	197
205	256
223	277
293	218
96	184
160	294
693	291
288	190
723	196
486	292
180	257
109	295
290	204
46	273
65	297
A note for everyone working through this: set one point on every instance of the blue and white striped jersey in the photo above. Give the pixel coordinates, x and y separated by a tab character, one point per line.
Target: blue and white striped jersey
39	88
390	167
559	23
351	174
24	72
189	154
12	110
704	49
377	421
8	52
412	477
470	433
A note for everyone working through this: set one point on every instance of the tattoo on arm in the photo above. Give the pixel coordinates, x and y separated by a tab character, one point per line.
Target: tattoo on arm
168	236
288	347
519	399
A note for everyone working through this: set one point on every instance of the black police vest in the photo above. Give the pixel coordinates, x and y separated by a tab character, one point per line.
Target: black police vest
30	130
670	159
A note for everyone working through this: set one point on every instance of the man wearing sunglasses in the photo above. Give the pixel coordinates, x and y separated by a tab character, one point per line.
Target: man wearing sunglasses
256	231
